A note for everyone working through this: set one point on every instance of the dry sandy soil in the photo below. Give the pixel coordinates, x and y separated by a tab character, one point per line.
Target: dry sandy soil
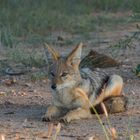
24	102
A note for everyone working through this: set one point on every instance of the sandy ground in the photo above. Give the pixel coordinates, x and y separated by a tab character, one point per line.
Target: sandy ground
24	102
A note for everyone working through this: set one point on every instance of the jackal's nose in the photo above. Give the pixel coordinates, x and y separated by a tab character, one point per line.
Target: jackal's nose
53	86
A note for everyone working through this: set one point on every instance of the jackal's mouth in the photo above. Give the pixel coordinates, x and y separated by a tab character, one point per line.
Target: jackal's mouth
68	85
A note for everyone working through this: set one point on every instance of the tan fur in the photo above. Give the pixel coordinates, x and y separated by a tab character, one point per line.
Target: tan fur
72	91
52	111
81	96
79	113
114	90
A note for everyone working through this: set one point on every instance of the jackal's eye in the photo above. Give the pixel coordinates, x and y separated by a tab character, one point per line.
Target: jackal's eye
64	74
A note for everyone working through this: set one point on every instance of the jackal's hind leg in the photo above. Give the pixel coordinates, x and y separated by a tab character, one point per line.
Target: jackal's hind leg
112	88
113	105
116	104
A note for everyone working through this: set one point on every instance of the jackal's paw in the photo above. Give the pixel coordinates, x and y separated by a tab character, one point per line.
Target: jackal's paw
51	113
44	118
77	114
66	119
47	117
72	115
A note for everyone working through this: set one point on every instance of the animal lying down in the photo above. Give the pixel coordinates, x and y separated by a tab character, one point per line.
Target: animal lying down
75	90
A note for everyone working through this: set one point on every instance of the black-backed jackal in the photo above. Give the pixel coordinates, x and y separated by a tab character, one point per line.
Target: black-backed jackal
73	89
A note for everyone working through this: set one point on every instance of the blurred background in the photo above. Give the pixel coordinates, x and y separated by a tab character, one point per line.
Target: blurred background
103	24
34	21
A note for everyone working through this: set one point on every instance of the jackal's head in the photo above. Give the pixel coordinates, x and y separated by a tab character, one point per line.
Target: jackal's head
64	71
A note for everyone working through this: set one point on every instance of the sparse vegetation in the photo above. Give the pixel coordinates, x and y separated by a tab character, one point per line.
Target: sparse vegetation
32	21
30	58
127	42
137	70
38	76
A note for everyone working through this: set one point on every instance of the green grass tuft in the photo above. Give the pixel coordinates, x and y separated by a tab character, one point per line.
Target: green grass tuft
28	58
38	76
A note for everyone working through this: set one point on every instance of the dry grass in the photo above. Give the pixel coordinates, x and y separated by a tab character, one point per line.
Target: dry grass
2	137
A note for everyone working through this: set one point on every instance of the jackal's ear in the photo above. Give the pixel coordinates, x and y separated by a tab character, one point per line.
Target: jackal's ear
50	53
74	57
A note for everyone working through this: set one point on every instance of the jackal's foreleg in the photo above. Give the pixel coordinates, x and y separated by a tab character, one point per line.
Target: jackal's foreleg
79	113
82	103
52	112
